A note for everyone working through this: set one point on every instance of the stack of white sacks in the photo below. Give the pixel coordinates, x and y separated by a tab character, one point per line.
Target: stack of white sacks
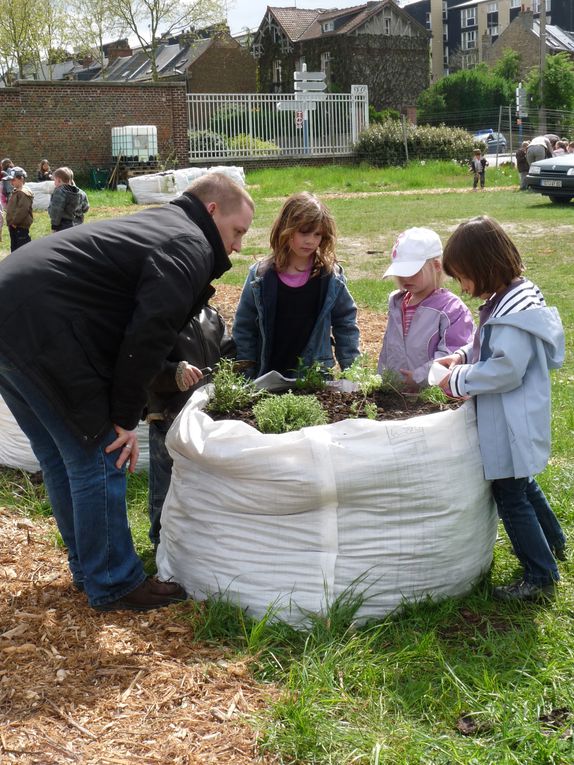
158	188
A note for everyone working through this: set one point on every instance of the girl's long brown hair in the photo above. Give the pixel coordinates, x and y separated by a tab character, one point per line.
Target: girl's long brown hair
303	212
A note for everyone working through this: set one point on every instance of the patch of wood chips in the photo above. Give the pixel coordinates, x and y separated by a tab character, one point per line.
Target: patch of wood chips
79	686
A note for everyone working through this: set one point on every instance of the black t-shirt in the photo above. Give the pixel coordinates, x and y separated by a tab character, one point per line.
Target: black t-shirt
296	312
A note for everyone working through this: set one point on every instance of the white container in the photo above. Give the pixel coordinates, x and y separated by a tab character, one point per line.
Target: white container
134	143
437	372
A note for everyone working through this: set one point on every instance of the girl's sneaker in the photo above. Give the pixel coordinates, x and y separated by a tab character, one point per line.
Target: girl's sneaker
524	590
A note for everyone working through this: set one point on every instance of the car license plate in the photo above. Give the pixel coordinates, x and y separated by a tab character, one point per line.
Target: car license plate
554	184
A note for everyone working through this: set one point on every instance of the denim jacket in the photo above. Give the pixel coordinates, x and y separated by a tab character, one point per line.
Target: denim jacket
521	341
336	323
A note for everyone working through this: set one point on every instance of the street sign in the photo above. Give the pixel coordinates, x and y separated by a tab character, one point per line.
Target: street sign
308	76
311	96
309	85
295	106
299	117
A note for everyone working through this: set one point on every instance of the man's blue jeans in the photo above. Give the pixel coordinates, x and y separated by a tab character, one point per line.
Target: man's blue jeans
86	490
532	527
160	464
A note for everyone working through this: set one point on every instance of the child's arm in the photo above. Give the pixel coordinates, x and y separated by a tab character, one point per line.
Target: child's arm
345	328
246	328
56	208
511	351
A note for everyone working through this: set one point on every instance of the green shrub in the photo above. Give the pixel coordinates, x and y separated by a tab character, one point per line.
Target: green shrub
231	389
363	371
384	144
205	142
245	142
311	378
383	115
282	414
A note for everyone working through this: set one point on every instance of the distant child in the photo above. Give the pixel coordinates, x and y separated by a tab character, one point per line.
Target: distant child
19	209
5	186
425	321
83	205
44	172
478	165
200	344
507	368
295	308
522	164
64	200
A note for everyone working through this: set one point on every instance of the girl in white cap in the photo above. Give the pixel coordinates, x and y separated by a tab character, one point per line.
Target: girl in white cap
425	321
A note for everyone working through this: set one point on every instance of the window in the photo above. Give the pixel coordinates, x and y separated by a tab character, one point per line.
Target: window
428	21
387	25
515	3
299	64
328	26
493	30
444	10
468	40
468	17
326	61
537	3
445	34
277	74
492	8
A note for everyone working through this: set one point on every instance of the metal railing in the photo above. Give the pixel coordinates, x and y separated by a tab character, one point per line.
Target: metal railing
225	126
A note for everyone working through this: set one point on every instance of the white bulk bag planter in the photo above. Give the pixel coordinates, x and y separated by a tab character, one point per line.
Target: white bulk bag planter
159	188
42	191
293	520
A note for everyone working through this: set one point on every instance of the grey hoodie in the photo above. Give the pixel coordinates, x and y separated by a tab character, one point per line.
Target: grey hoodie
519	344
63	204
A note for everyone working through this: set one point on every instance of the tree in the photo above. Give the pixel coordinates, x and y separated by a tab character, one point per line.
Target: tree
466	95
558	83
95	20
19	21
508	66
165	17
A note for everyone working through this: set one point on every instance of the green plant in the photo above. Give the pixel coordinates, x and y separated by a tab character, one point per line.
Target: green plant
434	395
311	378
231	389
205	142
287	412
362	408
245	142
363	372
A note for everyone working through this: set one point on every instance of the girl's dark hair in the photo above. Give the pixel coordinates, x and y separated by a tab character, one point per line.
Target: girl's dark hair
482	251
303	212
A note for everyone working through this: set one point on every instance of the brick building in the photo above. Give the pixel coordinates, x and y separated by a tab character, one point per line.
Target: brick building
375	44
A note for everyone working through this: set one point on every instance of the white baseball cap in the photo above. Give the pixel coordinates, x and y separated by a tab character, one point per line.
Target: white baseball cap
411	251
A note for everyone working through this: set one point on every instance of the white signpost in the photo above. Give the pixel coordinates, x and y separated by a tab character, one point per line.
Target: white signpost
308	87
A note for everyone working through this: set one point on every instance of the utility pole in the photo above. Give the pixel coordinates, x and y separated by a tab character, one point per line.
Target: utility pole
542	113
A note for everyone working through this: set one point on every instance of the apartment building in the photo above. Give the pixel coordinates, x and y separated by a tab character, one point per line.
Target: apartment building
458	27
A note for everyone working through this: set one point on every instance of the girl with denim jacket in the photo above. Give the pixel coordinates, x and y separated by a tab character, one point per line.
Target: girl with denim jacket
295	308
506	368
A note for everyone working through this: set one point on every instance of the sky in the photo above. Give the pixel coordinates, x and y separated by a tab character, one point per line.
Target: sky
250	13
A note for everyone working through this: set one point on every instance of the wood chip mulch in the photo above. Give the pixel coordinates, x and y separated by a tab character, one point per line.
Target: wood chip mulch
79	686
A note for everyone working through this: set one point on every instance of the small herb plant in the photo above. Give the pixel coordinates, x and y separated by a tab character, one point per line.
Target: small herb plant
311	378
282	414
232	390
363	372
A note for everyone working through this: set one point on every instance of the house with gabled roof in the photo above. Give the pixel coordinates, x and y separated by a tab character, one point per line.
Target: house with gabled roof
375	44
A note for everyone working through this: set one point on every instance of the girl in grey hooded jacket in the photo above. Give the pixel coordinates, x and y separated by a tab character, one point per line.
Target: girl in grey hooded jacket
519	340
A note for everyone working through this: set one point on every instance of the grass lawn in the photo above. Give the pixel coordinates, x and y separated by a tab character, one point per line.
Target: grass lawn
470	681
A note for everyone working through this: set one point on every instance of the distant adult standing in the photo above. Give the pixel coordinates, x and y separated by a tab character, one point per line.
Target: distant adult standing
538	148
522	164
5	186
44	172
87	319
19	216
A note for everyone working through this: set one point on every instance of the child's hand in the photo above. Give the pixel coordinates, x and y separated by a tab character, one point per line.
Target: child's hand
451	361
410	384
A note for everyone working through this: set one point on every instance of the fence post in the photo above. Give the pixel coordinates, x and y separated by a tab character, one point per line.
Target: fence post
404	121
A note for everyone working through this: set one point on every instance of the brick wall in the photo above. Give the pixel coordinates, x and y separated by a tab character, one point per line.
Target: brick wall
71	123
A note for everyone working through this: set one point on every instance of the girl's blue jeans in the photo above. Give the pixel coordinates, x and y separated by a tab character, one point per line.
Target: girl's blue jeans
532	527
86	490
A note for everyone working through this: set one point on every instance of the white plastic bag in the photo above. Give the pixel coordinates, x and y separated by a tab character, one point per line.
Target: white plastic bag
398	509
158	188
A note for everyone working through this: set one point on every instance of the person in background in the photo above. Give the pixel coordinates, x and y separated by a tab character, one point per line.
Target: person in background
424	321
86	323
19	216
83	204
5	186
571	147
538	148
64	200
522	164
199	348
560	148
478	165
295	307
519	340
44	172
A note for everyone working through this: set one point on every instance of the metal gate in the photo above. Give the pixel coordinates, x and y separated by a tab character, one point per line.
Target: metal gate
225	126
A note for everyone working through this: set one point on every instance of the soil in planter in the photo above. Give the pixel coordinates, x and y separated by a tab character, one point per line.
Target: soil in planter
391	405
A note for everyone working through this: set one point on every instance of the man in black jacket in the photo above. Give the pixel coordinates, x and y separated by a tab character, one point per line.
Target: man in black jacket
87	319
